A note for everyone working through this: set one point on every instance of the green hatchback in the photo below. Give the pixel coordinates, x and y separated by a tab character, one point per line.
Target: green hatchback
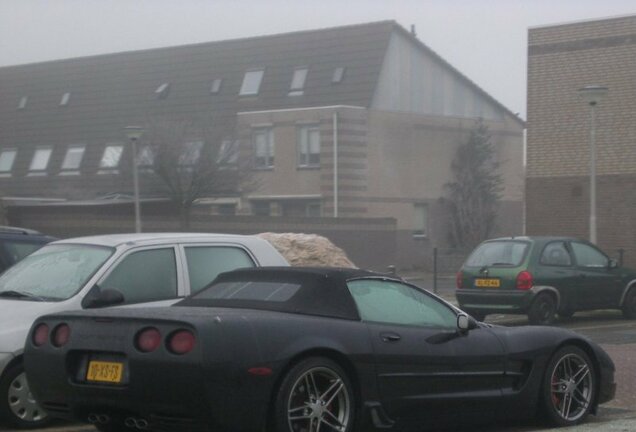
543	276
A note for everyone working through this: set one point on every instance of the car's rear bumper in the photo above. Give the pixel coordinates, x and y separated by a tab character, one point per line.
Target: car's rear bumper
494	300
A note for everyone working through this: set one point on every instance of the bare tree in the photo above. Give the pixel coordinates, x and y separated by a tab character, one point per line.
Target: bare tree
472	198
194	162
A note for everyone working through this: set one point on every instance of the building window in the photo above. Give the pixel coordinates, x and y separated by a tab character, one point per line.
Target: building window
263	140
23	102
314	210
65	98
226	209
7	157
228	152
73	159
162	90
251	82
338	75
420	225
40	159
309	146
191	153
261	208
216	86
111	157
297	87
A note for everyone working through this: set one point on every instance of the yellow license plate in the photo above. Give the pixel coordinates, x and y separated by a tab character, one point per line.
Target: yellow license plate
101	371
488	283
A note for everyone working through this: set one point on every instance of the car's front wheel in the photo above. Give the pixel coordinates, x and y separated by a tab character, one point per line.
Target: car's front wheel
18	408
315	395
569	387
543	310
629	305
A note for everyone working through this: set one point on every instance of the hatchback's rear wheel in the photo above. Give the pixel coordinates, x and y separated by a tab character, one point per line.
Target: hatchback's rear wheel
18	408
542	310
569	387
629	305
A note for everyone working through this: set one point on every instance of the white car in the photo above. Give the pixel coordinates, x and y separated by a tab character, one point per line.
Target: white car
107	270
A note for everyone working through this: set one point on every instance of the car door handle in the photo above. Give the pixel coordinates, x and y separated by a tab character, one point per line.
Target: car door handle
390	337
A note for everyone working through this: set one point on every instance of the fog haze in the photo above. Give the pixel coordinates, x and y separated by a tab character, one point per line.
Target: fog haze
485	39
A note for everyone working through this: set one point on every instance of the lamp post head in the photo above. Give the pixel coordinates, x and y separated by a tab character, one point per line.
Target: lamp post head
134	132
593	94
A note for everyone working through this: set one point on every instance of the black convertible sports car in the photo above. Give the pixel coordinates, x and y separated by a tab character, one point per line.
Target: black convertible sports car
307	350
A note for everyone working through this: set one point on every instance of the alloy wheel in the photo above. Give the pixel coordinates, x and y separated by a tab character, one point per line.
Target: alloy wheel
571	387
319	401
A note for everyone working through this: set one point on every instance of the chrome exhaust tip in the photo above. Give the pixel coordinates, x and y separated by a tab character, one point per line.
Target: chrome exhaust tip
93	418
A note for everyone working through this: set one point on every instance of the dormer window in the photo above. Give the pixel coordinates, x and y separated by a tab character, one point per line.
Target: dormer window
162	90
7	157
110	159
297	87
216	86
338	75
23	102
73	159
65	98
40	161
251	82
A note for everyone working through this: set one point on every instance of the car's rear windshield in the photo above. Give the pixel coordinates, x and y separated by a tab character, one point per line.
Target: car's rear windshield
250	290
54	272
498	253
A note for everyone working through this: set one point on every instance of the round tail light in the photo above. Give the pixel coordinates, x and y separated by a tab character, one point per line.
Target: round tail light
61	335
459	280
40	334
181	342
524	280
148	340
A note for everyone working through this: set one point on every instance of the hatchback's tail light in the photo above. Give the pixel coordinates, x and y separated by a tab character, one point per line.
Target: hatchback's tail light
181	342
40	334
148	339
524	280
61	335
459	279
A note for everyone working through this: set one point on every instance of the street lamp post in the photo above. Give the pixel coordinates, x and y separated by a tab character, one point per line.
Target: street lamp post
134	133
592	95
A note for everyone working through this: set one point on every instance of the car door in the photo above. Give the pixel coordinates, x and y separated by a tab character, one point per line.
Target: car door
205	262
556	269
424	367
598	284
146	275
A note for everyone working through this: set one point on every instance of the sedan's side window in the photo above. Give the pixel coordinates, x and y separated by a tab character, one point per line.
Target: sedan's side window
555	254
145	276
206	262
395	303
587	256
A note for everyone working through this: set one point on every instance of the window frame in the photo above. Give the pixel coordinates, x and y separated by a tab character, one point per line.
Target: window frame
247	87
115	167
269	158
66	97
576	259
303	131
298	81
7	150
36	170
567	251
338	75
215	85
66	170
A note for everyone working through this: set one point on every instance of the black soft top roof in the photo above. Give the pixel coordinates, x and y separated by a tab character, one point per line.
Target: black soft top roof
323	291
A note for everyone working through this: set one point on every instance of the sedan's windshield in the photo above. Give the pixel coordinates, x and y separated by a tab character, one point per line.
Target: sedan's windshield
55	272
498	253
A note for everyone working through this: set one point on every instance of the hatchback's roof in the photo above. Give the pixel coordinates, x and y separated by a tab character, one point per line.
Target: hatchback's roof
114	240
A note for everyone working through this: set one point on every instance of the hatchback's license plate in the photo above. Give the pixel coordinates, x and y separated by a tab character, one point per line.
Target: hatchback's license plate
487	283
101	371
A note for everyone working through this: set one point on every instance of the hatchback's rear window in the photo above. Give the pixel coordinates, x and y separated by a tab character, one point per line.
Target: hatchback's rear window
498	253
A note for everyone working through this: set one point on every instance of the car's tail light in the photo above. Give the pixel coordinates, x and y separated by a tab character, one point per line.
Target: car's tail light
524	280
459	279
40	334
148	339
181	342
61	335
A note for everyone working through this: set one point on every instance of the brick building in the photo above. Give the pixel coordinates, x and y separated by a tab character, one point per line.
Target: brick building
357	122
562	59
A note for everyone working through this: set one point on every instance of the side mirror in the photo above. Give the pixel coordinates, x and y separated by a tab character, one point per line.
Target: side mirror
465	323
98	297
612	263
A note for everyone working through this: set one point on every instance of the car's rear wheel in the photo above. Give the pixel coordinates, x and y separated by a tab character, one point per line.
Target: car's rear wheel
18	408
315	395
569	387
629	305
542	310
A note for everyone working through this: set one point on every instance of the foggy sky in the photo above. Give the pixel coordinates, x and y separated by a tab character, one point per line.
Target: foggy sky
485	39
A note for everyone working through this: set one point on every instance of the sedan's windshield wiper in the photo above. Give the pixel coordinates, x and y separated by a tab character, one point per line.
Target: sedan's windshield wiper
21	294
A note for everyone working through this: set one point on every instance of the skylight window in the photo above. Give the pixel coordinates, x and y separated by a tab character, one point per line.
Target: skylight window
146	157
251	82
338	75
7	157
65	98
40	159
191	153
298	82
162	90
73	158
111	156
23	102
216	86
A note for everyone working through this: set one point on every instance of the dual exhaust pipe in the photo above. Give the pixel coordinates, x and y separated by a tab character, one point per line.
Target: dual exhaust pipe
130	422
